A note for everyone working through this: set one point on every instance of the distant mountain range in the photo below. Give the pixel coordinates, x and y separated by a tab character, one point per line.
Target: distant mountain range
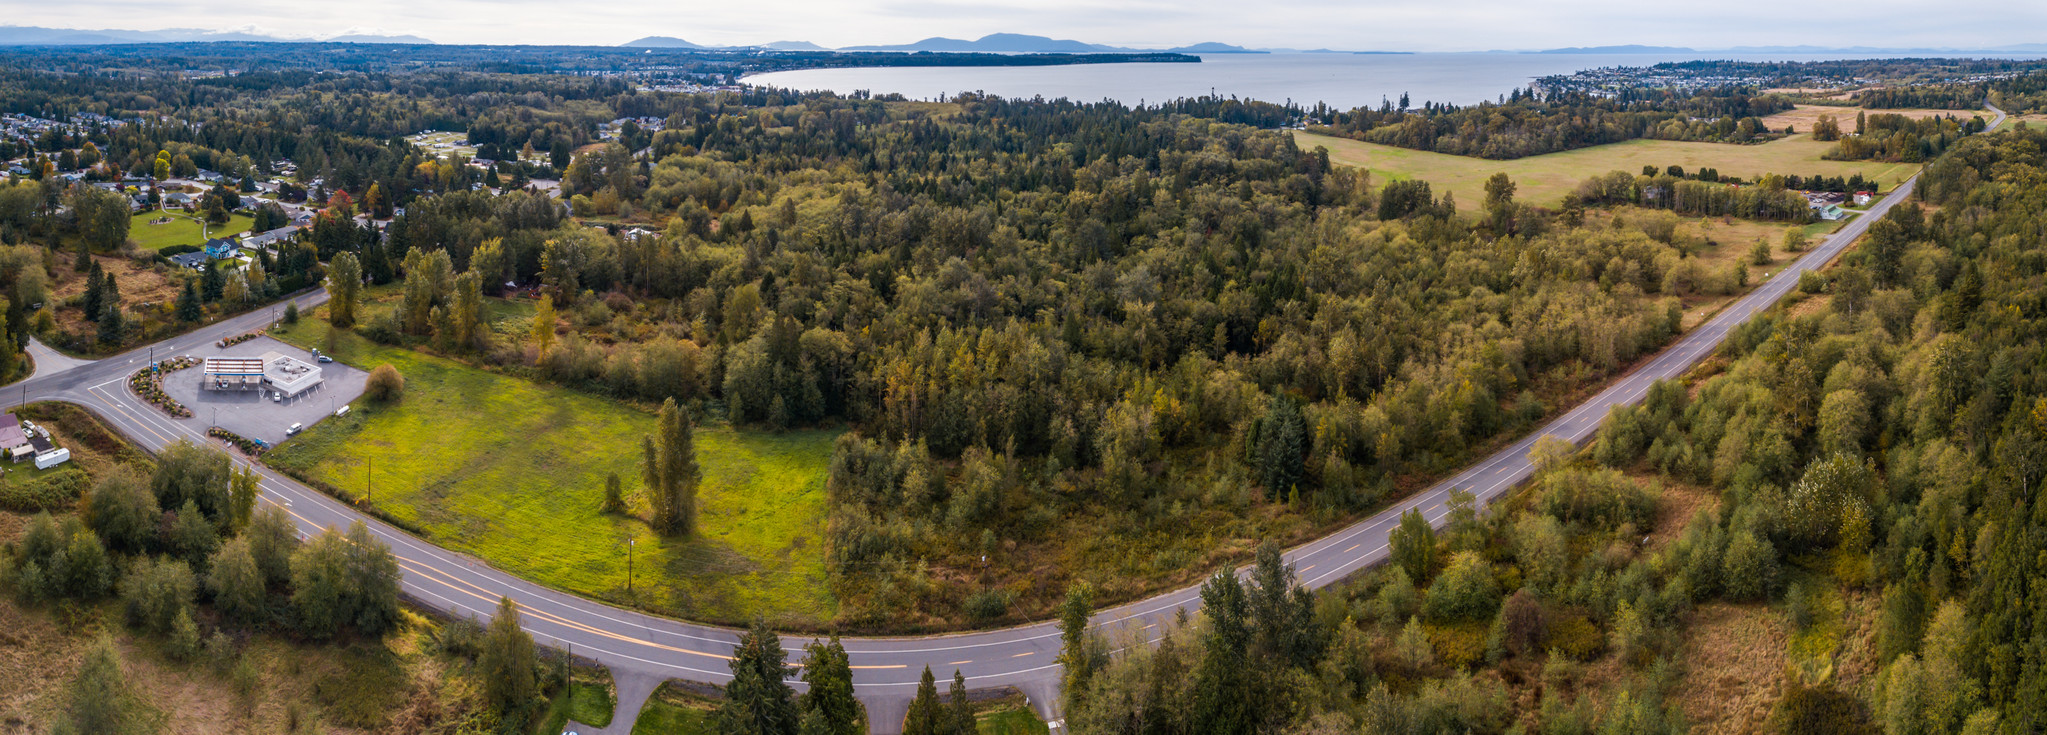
1018	43
994	43
37	36
2018	48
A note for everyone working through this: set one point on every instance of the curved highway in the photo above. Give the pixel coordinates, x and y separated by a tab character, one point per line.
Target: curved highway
643	649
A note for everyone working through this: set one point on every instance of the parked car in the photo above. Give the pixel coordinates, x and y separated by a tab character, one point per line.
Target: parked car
324	358
294	430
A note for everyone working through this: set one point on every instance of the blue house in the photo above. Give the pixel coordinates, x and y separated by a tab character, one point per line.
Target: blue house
221	248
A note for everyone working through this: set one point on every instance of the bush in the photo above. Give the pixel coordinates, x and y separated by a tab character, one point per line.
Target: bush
291	313
51	491
989	604
383	330
1576	637
385	384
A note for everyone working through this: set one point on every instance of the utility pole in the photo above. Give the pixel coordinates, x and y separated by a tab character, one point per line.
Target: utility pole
369	463
629	566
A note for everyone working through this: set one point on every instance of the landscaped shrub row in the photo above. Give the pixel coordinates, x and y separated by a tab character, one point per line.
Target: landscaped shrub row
237	339
148	385
248	446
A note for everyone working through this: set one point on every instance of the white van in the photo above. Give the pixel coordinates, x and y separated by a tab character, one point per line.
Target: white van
294	430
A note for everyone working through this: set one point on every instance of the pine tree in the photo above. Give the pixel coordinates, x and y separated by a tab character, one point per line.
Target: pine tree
829	673
959	709
926	716
188	304
757	701
110	325
94	295
1282	446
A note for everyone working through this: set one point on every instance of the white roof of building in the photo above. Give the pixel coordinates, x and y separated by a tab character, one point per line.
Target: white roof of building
289	375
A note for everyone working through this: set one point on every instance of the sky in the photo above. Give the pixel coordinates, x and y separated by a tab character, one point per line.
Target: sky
1393	25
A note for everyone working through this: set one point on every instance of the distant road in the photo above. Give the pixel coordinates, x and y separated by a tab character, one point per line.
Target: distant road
885	670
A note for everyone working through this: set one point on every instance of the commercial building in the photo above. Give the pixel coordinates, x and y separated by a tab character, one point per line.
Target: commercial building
278	372
233	373
289	375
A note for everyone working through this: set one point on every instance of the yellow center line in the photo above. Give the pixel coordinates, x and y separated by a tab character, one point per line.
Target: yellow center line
1025	653
481	594
1353	547
957	663
893	666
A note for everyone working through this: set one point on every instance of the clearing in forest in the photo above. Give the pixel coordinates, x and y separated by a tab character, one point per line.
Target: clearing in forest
1545	179
514	471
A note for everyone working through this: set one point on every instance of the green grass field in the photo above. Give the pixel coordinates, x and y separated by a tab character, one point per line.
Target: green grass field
1014	721
513	471
1545	179
181	230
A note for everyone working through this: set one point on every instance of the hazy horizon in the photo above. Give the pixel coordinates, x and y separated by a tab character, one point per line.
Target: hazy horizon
1394	25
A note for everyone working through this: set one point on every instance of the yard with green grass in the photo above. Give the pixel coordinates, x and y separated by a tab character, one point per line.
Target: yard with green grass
672	711
182	229
1545	179
513	471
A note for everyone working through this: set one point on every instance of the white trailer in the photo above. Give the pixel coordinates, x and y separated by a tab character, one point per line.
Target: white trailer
52	458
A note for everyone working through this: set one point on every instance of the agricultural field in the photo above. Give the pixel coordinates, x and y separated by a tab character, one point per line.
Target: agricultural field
514	472
1545	179
1804	117
181	229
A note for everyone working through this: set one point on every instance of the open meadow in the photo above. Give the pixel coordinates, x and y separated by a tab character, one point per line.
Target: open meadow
1545	179
182	229
514	472
1804	117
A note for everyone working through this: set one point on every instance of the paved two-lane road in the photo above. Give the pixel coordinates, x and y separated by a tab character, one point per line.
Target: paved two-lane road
646	647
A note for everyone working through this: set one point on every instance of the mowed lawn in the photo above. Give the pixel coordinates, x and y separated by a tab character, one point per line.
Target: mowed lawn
1545	179
513	471
181	230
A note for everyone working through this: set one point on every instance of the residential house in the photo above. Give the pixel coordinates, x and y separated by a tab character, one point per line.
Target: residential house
270	239
221	247
190	261
1863	198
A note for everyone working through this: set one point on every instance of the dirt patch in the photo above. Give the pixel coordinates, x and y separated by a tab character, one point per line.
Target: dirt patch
1734	661
1675	509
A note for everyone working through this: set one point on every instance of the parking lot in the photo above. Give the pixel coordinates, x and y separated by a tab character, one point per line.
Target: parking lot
253	413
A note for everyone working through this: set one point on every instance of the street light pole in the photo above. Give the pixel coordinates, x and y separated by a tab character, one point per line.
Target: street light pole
629	566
